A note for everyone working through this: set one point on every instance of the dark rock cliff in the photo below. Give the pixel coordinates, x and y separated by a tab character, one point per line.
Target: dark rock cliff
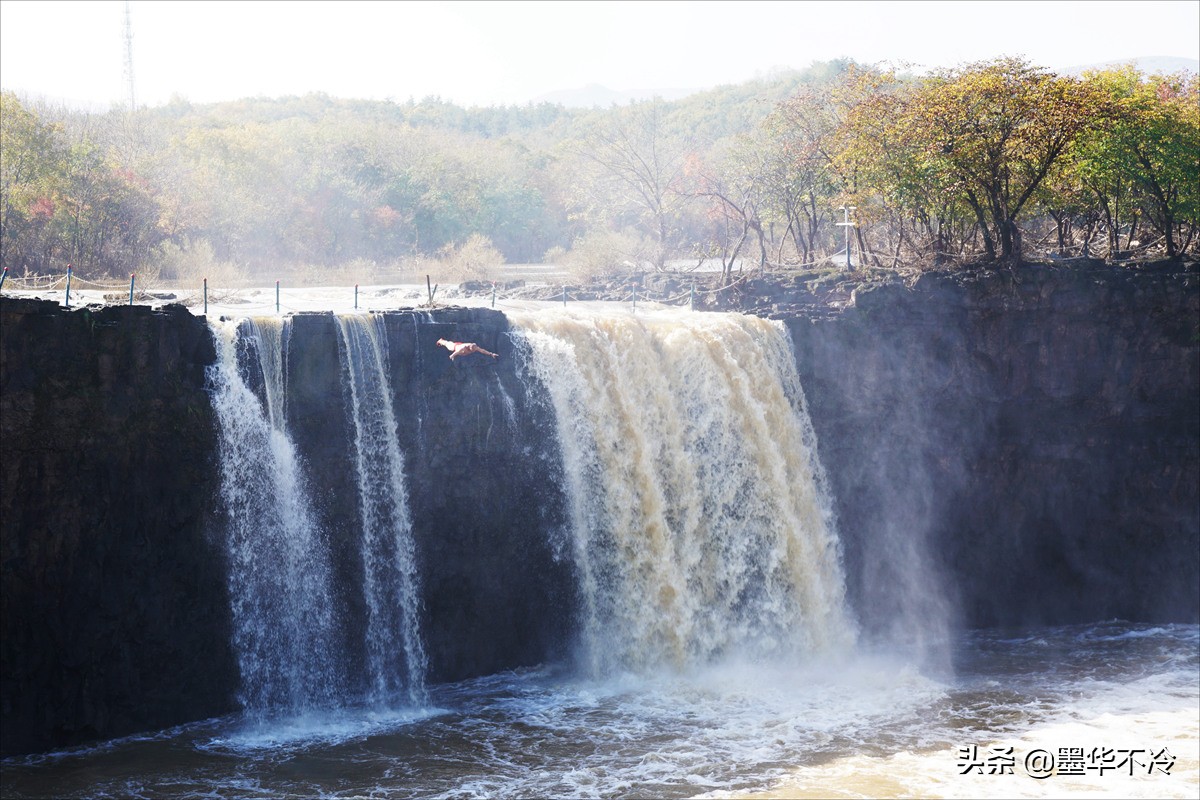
1029	441
114	610
481	477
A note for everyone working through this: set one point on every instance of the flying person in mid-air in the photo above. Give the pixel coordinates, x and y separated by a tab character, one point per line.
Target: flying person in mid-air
463	348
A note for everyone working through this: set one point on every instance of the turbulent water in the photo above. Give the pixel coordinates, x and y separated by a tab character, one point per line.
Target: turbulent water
860	726
716	653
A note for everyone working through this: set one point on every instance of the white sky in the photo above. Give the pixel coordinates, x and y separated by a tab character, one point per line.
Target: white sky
492	53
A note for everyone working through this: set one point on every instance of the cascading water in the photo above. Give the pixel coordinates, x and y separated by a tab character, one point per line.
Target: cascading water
422	402
279	575
700	524
395	653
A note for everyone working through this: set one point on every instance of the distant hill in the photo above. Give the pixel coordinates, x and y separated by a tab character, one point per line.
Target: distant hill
596	96
1148	65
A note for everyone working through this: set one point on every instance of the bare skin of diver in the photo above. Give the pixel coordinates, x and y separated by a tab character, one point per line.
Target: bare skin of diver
463	349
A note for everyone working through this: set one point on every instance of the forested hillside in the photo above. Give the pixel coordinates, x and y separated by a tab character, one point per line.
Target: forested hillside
990	161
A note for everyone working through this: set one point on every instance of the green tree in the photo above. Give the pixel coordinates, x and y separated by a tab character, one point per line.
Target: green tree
32	169
1142	163
992	131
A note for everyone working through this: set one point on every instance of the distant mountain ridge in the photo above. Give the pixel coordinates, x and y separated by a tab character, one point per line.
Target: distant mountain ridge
1145	64
595	95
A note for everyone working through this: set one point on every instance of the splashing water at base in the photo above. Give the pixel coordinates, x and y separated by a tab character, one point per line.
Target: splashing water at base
859	726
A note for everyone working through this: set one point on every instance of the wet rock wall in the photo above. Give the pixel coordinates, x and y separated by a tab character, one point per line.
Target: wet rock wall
1031	437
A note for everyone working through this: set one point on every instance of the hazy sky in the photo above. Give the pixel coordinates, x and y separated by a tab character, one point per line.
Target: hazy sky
491	53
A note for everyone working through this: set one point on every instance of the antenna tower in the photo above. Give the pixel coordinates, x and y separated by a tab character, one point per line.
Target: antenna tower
129	56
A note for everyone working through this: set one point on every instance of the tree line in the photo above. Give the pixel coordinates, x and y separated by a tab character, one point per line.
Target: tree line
990	161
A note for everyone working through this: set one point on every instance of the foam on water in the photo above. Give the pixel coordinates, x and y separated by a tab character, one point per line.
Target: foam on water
294	733
854	725
1113	687
675	734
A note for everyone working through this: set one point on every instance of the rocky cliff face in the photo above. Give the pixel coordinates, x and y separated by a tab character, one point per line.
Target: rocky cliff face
1030	439
115	616
1004	449
481	477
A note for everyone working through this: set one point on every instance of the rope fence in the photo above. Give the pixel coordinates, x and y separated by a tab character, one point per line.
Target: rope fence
250	301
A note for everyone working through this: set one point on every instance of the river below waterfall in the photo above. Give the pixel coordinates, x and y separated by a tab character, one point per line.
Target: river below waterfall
1116	704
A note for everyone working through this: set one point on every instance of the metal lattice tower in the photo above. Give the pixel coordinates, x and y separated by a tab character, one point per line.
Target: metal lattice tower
129	56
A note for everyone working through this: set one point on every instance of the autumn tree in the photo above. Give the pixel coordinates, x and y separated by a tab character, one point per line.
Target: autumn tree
32	157
798	182
991	132
894	180
732	188
639	173
803	175
942	166
64	198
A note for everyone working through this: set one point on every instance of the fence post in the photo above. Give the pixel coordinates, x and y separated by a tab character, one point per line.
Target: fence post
635	295
68	300
493	294
356	297
206	297
276	297
131	288
692	298
564	295
3	276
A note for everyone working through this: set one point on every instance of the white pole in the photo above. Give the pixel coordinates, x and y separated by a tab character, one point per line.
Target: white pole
847	225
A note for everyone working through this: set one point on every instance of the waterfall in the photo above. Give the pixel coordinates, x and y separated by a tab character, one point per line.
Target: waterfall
697	523
279	574
395	654
700	524
419	358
